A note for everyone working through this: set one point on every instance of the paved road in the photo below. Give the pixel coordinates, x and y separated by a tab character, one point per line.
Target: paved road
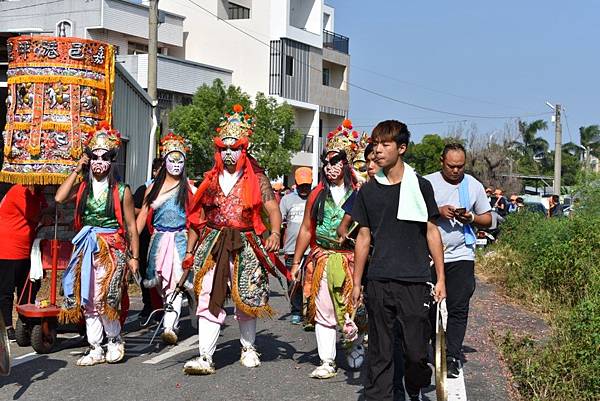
154	372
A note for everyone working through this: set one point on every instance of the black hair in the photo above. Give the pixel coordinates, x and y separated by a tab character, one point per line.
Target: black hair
391	130
182	195
368	150
112	181
318	210
455	146
157	163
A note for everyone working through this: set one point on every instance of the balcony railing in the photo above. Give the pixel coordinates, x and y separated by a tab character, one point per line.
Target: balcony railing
335	41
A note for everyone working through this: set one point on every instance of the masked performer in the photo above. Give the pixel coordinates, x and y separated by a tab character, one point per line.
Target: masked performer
328	281
107	242
165	212
231	259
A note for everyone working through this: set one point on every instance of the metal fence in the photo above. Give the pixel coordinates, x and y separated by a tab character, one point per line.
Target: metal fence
335	41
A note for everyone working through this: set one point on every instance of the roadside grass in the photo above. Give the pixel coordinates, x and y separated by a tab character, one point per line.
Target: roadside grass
552	266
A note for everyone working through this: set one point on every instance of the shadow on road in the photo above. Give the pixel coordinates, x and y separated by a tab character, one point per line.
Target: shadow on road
23	376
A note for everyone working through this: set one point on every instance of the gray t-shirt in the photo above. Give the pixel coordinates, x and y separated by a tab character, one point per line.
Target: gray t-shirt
292	211
453	236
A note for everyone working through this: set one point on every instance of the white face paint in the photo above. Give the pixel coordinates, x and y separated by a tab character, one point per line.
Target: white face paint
230	156
334	169
98	165
175	162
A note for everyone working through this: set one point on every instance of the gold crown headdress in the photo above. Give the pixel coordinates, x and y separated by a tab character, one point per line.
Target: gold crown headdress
104	137
173	143
236	124
343	138
362	144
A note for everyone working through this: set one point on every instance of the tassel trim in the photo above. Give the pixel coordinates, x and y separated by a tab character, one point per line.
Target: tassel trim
33	178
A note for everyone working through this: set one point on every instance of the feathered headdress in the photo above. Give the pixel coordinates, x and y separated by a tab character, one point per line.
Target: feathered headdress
103	137
235	124
343	138
173	143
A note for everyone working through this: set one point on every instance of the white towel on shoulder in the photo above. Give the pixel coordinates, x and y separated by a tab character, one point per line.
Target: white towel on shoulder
411	205
36	272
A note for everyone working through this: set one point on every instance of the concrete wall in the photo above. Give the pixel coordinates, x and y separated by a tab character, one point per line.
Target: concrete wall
327	96
211	41
37	15
174	75
132	19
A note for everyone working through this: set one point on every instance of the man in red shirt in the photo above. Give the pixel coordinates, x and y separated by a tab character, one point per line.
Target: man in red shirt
20	214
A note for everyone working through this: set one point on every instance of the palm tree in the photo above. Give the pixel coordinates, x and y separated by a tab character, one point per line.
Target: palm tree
590	139
532	143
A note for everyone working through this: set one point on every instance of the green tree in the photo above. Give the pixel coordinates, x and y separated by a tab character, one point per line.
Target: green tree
275	139
424	157
590	139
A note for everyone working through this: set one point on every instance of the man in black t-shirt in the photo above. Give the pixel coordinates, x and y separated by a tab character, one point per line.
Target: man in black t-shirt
138	201
397	212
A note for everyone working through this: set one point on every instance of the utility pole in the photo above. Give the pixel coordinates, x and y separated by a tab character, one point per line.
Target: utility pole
152	48
152	78
557	148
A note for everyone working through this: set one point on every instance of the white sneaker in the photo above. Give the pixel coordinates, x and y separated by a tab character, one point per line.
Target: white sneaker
202	365
325	371
169	337
356	355
93	356
250	358
115	350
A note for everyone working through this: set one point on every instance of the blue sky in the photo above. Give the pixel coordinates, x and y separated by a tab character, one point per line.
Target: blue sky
489	58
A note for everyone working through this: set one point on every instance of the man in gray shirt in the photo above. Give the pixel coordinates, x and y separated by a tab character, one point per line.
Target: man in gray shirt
462	204
292	211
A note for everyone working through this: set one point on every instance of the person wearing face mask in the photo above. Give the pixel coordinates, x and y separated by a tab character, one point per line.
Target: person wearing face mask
292	210
94	282
328	280
231	258
165	213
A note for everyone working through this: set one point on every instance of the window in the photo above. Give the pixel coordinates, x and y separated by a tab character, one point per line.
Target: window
136	48
64	28
289	66
235	11
326	74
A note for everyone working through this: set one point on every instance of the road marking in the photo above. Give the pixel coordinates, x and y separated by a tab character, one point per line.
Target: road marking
456	388
24	359
183	346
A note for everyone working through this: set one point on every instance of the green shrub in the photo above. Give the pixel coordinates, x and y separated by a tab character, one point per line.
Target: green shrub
554	263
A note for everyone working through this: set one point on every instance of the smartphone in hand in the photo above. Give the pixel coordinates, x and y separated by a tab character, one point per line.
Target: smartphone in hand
459	211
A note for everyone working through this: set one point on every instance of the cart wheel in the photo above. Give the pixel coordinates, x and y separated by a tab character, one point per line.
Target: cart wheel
22	333
43	336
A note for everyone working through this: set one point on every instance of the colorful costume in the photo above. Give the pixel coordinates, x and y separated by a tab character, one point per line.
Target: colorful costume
94	281
328	282
167	221
231	259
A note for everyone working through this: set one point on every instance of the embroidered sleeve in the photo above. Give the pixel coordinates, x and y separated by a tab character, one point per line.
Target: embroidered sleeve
265	188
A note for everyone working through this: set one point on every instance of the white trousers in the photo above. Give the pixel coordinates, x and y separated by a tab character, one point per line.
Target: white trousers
172	318
97	325
326	340
208	334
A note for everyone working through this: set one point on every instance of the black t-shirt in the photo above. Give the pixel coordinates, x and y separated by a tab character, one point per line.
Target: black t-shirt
400	250
349	204
138	202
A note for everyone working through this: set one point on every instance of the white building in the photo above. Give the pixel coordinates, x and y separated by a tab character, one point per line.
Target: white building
284	48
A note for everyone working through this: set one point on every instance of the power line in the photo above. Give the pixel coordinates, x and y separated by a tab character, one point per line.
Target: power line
430	89
568	129
406	103
30	6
